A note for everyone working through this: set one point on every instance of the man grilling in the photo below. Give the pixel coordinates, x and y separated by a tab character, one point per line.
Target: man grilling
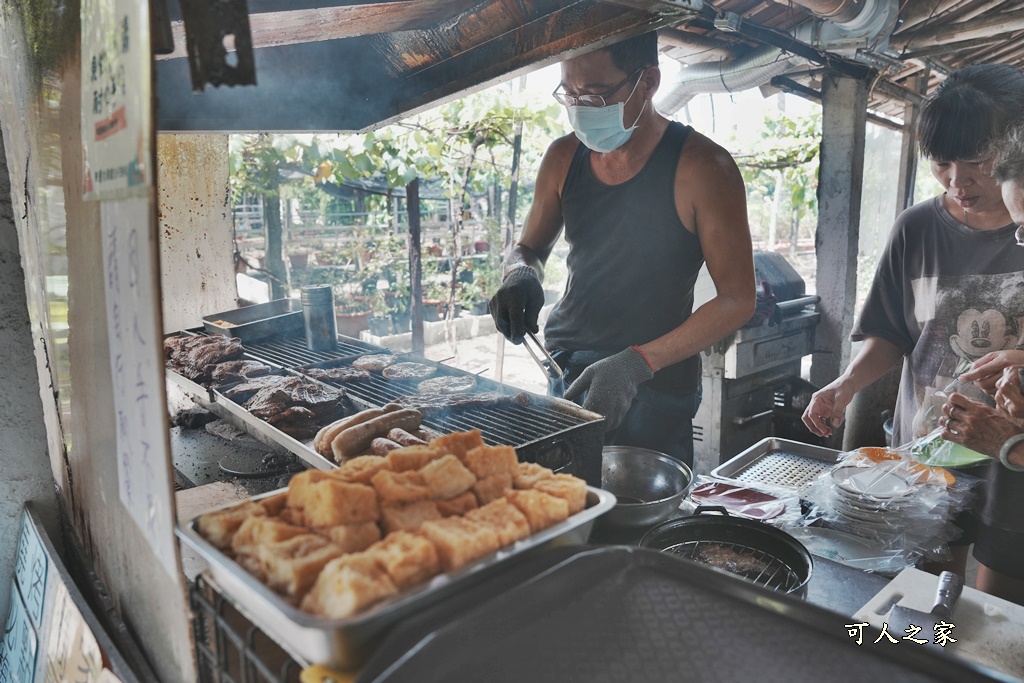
644	202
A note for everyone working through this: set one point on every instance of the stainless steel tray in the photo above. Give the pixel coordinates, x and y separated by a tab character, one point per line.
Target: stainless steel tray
259	321
346	643
780	463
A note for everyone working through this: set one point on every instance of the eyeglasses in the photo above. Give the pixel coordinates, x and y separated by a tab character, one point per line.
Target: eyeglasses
568	100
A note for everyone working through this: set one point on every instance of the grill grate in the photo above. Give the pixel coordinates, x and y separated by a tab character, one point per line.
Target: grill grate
513	425
783	469
752	564
291	352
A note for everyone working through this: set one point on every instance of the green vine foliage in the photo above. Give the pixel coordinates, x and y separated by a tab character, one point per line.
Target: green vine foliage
790	146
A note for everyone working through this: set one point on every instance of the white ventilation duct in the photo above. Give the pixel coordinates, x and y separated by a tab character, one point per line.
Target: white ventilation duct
844	27
743	73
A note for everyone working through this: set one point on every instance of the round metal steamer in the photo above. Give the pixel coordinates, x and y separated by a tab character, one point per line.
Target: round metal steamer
758	552
649	485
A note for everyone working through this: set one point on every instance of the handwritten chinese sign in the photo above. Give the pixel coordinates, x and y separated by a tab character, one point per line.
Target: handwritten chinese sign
30	569
72	653
18	651
136	363
116	98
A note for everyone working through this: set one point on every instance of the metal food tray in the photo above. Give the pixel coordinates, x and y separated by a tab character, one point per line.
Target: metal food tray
236	414
779	463
259	321
346	643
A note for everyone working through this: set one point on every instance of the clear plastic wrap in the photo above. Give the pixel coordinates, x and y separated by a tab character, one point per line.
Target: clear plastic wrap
899	505
742	500
928	445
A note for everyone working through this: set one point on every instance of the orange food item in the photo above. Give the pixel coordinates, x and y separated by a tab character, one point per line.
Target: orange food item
877	453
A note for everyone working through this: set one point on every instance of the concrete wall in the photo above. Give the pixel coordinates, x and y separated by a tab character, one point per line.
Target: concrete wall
23	452
196	246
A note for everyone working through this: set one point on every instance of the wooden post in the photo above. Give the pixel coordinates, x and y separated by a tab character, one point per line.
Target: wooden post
840	177
412	202
908	147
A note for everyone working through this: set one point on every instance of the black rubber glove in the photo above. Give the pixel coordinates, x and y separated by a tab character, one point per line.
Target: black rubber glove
611	384
517	304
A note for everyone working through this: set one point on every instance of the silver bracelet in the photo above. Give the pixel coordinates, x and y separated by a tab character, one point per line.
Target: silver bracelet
1004	453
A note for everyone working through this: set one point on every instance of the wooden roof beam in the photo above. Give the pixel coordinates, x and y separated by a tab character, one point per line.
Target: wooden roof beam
1003	22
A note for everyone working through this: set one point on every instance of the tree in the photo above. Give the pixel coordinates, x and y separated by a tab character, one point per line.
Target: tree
786	158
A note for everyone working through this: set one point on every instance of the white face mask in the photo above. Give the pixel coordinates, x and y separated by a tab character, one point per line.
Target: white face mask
602	128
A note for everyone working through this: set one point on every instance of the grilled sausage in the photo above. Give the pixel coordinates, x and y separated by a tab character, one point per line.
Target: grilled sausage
326	436
381	446
356	439
404	438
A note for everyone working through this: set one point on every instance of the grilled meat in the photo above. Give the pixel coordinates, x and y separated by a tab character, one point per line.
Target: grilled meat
447	385
195	357
297	406
238	370
408	371
374	361
436	404
731	560
343	374
240	393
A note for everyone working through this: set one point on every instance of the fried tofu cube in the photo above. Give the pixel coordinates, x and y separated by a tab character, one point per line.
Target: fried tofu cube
408	517
458	443
459	505
409	559
400	488
505	518
360	470
353	538
412	457
541	509
528	474
275	504
459	541
347	585
447	477
219	527
492	487
259	530
486	461
292	516
298	487
292	566
332	502
567	487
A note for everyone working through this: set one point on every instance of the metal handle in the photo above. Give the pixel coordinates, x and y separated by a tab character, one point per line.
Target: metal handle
702	509
553	369
947	592
740	421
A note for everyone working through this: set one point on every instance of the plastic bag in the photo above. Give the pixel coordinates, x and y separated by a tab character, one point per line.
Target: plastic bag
928	446
745	501
901	506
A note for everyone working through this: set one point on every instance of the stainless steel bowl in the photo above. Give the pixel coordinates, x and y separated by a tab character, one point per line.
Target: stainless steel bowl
649	485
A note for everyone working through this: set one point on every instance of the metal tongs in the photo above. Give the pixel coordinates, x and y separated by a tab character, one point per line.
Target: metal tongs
549	366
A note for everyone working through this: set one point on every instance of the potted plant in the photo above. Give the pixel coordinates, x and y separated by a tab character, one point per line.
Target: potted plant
352	314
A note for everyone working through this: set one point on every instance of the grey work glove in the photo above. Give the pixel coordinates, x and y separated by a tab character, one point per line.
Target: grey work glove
517	304
611	384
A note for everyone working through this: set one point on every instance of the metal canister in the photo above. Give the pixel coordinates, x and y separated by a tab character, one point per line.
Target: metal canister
318	313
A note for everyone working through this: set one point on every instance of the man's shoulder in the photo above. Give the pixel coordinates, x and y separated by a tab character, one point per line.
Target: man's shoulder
919	218
703	159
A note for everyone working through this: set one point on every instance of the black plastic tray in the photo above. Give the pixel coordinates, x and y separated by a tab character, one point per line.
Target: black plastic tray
630	614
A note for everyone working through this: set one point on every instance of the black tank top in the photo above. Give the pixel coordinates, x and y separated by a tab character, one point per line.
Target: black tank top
632	264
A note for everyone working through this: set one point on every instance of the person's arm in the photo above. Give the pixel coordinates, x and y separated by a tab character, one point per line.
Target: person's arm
712	199
987	370
828	405
516	306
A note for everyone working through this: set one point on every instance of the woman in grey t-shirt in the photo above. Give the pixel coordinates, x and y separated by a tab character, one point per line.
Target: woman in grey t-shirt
948	289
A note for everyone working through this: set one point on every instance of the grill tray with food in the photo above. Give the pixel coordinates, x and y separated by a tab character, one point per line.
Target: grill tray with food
551	432
251	323
347	642
751	550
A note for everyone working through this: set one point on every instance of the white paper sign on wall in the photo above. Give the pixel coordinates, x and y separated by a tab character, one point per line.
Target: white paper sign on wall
116	99
137	372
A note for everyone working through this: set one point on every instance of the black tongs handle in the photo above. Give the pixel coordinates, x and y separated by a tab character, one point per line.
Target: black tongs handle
552	369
